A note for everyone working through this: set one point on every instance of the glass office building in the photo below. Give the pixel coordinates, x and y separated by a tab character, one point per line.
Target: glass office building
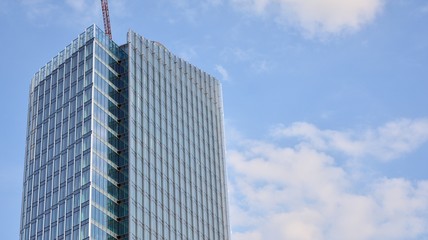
123	142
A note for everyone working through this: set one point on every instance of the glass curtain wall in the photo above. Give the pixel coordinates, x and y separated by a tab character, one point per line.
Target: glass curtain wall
75	175
109	208
56	188
177	182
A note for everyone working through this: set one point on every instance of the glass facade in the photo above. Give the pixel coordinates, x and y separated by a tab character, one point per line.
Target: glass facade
177	182
123	142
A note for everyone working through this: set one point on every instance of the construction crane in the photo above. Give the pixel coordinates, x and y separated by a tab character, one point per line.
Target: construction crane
107	27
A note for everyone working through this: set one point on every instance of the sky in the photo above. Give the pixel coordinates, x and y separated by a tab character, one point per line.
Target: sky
325	104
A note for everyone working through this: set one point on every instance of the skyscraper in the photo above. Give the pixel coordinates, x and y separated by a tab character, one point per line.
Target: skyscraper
123	142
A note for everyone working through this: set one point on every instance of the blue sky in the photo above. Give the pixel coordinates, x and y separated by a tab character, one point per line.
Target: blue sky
325	104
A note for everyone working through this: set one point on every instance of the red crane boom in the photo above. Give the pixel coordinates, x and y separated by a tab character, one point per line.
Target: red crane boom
107	27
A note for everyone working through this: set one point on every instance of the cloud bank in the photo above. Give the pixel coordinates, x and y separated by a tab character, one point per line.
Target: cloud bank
316	17
386	142
302	192
312	17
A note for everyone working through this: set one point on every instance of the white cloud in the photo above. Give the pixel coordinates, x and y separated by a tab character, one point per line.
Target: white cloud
77	5
256	61
240	54
223	72
386	142
187	53
4	7
424	9
302	192
192	9
261	66
39	8
72	12
214	2
247	236
314	16
120	8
